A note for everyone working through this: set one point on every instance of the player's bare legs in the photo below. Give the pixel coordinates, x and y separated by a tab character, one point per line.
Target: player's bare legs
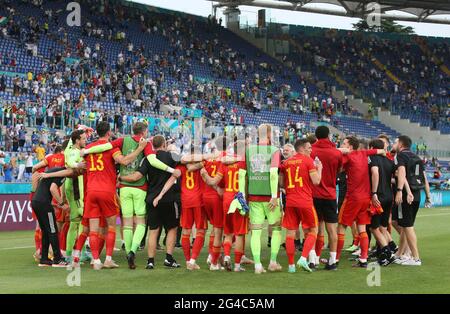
332	241
152	243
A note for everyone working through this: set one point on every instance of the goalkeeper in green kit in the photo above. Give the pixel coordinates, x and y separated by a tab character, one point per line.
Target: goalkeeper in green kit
262	173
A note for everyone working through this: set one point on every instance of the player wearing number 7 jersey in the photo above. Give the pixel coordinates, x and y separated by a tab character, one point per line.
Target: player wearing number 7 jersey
298	175
234	223
101	192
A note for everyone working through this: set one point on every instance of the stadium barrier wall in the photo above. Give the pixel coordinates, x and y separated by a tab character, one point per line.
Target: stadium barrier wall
16	213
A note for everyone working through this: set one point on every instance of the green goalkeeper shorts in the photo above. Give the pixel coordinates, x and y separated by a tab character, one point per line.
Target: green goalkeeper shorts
260	210
132	202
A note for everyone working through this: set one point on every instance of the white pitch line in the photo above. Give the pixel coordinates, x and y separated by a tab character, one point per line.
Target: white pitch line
444	214
16	248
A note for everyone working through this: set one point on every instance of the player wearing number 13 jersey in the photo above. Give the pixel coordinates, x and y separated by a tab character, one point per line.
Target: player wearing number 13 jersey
101	193
299	174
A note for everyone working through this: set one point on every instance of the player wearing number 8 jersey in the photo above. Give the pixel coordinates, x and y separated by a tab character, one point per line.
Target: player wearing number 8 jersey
298	175
191	212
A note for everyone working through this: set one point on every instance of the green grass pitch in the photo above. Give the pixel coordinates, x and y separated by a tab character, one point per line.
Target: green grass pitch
20	274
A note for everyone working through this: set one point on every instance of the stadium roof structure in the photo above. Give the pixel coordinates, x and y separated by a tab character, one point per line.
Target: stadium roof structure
419	11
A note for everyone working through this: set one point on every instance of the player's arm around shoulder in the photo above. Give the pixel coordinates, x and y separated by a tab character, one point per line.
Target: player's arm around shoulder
126	160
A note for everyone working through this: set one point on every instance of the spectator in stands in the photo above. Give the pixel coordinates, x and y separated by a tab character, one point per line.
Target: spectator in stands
40	151
8	172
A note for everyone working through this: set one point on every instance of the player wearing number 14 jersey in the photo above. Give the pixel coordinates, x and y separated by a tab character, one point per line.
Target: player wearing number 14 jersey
299	174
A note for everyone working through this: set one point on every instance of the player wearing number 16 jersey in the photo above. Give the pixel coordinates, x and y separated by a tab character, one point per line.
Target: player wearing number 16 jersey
299	174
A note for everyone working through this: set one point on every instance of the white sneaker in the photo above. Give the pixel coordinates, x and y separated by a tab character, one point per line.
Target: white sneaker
97	266
213	267
246	261
357	252
208	260
238	269
274	266
400	260
412	262
259	270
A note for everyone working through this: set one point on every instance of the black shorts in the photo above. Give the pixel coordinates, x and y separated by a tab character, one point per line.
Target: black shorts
383	219
165	215
326	210
407	214
28	169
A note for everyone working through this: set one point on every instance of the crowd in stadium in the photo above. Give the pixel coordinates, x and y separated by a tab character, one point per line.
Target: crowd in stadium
111	77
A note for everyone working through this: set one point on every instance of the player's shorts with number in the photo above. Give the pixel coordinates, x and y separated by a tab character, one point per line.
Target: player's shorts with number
294	215
98	204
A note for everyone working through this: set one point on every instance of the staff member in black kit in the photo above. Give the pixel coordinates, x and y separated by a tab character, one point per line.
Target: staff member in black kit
47	189
162	205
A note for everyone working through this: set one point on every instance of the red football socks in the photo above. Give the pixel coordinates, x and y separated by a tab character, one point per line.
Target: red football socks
80	241
198	244
94	243
364	243
290	249
211	243
110	240
340	245
227	248
310	242
319	244
186	245
215	254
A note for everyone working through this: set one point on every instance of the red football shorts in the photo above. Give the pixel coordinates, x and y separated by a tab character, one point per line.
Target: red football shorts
234	223
355	210
100	204
212	205
191	215
102	224
294	215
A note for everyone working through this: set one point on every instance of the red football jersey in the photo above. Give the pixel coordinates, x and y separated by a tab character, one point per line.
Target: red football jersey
55	160
331	159
101	169
356	165
212	167
230	178
191	187
297	182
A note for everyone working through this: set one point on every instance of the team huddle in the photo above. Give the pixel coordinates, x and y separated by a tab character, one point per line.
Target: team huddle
236	188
